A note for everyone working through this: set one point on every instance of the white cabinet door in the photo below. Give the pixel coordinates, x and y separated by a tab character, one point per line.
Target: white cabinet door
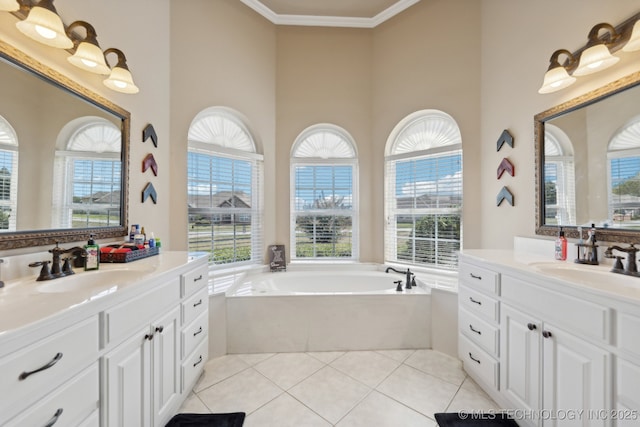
520	358
166	365
128	374
576	376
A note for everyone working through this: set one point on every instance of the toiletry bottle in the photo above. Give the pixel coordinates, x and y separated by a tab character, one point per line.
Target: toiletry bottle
92	260
561	246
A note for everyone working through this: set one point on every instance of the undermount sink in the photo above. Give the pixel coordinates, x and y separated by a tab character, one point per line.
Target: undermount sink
584	273
95	280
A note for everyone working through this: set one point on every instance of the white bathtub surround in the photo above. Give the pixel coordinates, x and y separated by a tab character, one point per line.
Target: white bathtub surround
356	307
362	388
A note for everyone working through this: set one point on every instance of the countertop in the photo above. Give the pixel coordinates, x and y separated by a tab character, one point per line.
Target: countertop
27	302
594	279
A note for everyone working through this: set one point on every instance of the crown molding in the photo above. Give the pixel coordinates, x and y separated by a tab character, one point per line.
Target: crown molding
329	21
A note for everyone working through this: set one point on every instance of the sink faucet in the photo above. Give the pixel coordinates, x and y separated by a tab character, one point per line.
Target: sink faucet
58	270
409	283
631	268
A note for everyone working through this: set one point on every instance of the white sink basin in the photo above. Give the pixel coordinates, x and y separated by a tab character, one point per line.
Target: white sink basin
585	273
95	280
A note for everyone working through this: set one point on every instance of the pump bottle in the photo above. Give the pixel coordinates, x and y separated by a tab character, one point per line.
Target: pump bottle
561	246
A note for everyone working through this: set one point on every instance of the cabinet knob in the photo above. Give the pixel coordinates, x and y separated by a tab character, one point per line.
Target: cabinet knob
531	326
546	334
159	329
148	337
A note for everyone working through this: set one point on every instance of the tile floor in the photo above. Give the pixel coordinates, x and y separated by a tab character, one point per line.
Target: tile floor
355	388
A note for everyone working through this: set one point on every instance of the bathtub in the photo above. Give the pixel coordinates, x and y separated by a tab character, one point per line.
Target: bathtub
326	308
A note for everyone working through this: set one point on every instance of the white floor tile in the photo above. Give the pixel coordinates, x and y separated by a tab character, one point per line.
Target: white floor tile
368	367
377	410
219	369
255	358
468	400
330	393
438	364
288	369
326	356
284	411
399	355
193	405
421	392
243	392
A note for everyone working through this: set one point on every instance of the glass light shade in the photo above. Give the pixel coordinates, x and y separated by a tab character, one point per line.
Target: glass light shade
594	59
9	5
45	26
90	58
555	79
121	80
634	41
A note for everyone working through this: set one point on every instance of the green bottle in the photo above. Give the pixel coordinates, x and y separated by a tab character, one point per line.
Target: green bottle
92	260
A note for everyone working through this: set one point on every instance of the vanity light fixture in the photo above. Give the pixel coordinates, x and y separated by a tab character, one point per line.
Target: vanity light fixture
88	55
597	56
9	5
45	26
120	78
557	77
634	39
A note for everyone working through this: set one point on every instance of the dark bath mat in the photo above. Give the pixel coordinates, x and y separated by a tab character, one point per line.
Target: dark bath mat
463	419
233	419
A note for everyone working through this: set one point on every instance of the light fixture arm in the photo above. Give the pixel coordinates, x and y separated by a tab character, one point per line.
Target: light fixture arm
122	60
610	39
90	37
554	60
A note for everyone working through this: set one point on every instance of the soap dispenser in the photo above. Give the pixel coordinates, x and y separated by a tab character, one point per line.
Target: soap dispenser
92	260
561	246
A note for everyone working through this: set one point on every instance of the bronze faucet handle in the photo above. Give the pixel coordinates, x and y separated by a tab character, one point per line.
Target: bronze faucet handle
45	273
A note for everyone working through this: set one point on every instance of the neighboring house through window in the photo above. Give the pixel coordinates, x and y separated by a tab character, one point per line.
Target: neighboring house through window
88	174
224	189
8	176
324	195
423	191
624	178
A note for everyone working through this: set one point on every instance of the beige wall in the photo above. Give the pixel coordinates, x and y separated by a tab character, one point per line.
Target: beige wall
480	61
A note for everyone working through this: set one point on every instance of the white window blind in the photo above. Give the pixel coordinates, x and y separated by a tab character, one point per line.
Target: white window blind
224	190
8	176
324	188
423	194
559	178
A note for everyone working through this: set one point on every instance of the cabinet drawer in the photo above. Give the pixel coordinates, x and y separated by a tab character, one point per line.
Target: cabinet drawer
568	312
92	420
627	333
193	365
194	333
195	305
480	278
478	362
627	393
128	316
70	404
194	280
50	362
479	331
479	304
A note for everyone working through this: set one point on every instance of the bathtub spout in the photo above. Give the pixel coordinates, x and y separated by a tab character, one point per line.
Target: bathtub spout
409	281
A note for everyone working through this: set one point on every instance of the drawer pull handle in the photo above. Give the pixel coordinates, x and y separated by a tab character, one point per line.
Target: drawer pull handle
473	358
473	276
54	419
199	331
531	326
198	362
197	278
159	329
475	301
198	303
474	330
55	360
546	334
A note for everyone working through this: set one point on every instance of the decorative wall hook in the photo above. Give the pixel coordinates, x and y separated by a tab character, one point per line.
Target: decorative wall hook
504	194
505	137
150	132
150	191
150	162
506	166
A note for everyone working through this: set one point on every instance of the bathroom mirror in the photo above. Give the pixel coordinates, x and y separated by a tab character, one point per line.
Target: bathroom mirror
588	164
64	157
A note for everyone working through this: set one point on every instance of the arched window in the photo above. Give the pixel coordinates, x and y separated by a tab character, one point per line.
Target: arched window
88	174
559	177
324	194
8	176
224	188
423	191
624	178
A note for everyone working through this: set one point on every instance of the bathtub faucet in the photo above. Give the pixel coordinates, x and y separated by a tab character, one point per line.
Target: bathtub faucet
410	282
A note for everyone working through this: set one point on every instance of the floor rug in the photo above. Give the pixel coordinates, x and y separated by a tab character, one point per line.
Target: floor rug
233	419
463	419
